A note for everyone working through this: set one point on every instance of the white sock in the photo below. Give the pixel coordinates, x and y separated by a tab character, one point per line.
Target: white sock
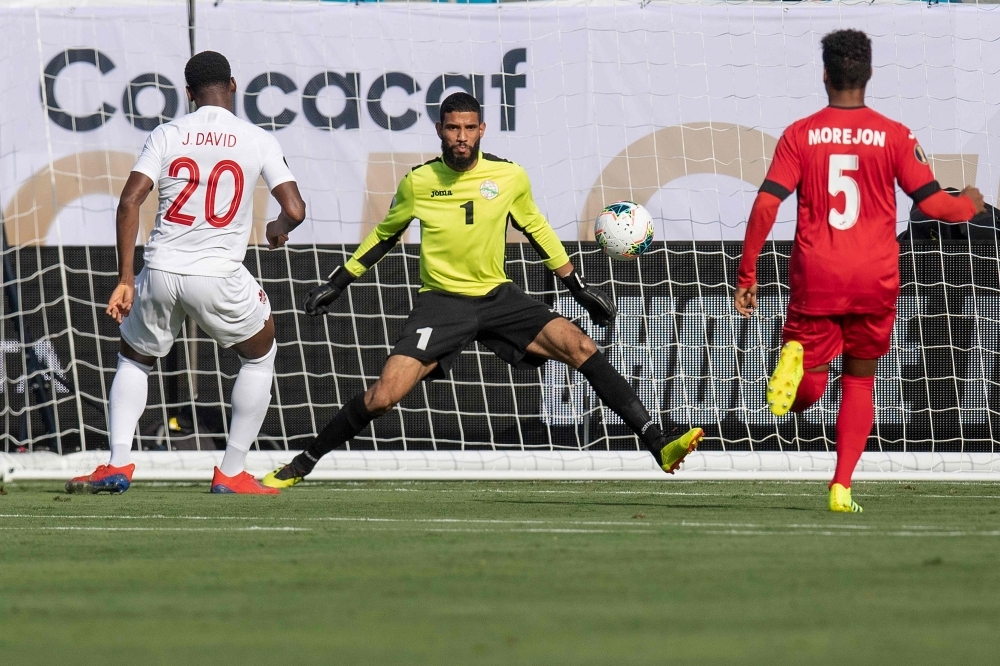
234	461
251	398
126	403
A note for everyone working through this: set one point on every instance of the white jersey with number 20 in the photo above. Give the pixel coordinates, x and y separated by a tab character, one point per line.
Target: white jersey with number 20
206	165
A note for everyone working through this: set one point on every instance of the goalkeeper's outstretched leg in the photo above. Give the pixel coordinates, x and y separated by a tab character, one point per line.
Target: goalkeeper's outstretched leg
399	376
563	341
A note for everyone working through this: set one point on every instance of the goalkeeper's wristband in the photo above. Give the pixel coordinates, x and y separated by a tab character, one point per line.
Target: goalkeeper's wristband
574	282
341	278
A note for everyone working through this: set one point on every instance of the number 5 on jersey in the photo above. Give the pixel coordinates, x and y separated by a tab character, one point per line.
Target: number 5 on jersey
174	213
839	182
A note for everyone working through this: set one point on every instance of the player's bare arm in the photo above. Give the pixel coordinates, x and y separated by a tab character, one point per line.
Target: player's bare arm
947	208
762	218
977	198
745	300
293	212
137	188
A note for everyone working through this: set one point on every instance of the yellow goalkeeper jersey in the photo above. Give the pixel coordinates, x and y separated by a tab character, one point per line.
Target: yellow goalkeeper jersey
463	225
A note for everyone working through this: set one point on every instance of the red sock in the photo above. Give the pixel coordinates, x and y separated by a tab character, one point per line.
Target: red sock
854	424
810	390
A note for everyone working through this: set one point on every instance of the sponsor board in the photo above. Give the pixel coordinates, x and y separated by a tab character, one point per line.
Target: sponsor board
676	107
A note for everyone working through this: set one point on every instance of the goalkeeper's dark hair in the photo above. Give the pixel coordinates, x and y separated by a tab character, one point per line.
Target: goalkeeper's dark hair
461	102
847	57
206	69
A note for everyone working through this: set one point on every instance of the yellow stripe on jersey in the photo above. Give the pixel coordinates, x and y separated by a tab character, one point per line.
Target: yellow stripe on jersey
463	225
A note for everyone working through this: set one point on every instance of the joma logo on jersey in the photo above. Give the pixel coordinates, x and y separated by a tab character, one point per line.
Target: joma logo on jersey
846	136
440	193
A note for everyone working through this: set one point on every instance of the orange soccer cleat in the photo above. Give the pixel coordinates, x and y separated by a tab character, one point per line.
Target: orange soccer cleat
241	484
104	479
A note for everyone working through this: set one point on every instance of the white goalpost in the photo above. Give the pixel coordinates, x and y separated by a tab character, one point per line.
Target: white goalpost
674	104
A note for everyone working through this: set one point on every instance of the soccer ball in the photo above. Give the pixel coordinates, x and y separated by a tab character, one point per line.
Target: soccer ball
624	230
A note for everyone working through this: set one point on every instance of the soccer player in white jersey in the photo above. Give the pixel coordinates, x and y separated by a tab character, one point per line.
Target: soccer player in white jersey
206	165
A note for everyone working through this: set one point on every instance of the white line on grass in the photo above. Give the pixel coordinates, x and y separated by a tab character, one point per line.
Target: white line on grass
897	533
484	521
154	516
472	521
732	494
79	528
514	531
486	530
956	496
546	492
685	523
337	519
517	525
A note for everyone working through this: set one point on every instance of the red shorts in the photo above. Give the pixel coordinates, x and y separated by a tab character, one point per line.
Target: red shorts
825	337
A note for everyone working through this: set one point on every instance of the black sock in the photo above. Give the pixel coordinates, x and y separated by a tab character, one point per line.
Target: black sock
616	393
345	426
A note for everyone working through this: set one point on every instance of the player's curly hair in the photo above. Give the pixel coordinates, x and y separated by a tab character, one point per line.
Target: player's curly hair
847	57
459	102
205	69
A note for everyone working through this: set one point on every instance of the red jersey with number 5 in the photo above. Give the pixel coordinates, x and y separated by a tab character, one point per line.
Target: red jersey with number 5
206	165
843	164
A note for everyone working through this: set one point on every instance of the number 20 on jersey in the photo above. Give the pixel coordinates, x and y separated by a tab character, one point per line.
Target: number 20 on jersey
175	212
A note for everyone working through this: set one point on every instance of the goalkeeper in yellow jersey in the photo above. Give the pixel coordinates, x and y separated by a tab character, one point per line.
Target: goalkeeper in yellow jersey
464	200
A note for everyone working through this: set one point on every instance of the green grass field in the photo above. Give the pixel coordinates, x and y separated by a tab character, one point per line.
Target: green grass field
502	573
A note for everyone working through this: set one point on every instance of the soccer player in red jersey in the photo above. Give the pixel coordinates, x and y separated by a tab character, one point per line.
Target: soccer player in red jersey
843	163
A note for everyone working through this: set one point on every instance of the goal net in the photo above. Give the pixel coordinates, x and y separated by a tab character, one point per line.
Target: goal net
675	105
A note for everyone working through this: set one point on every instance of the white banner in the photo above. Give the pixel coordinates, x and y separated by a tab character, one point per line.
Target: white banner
677	106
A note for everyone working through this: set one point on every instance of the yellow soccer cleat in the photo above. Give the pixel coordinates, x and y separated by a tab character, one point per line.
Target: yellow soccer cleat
283	477
672	455
784	383
841	502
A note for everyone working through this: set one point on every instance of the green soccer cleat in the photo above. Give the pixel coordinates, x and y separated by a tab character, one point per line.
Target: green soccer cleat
784	383
673	454
285	476
841	502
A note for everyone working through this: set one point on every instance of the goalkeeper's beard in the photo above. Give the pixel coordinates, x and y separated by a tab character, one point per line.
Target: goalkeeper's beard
459	163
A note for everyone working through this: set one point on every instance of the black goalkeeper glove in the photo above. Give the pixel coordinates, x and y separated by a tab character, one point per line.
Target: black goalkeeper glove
600	306
321	298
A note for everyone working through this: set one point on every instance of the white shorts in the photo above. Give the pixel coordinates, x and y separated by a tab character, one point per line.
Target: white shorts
230	309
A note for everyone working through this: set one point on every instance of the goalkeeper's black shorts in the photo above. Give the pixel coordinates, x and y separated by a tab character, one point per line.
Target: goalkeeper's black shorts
505	321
